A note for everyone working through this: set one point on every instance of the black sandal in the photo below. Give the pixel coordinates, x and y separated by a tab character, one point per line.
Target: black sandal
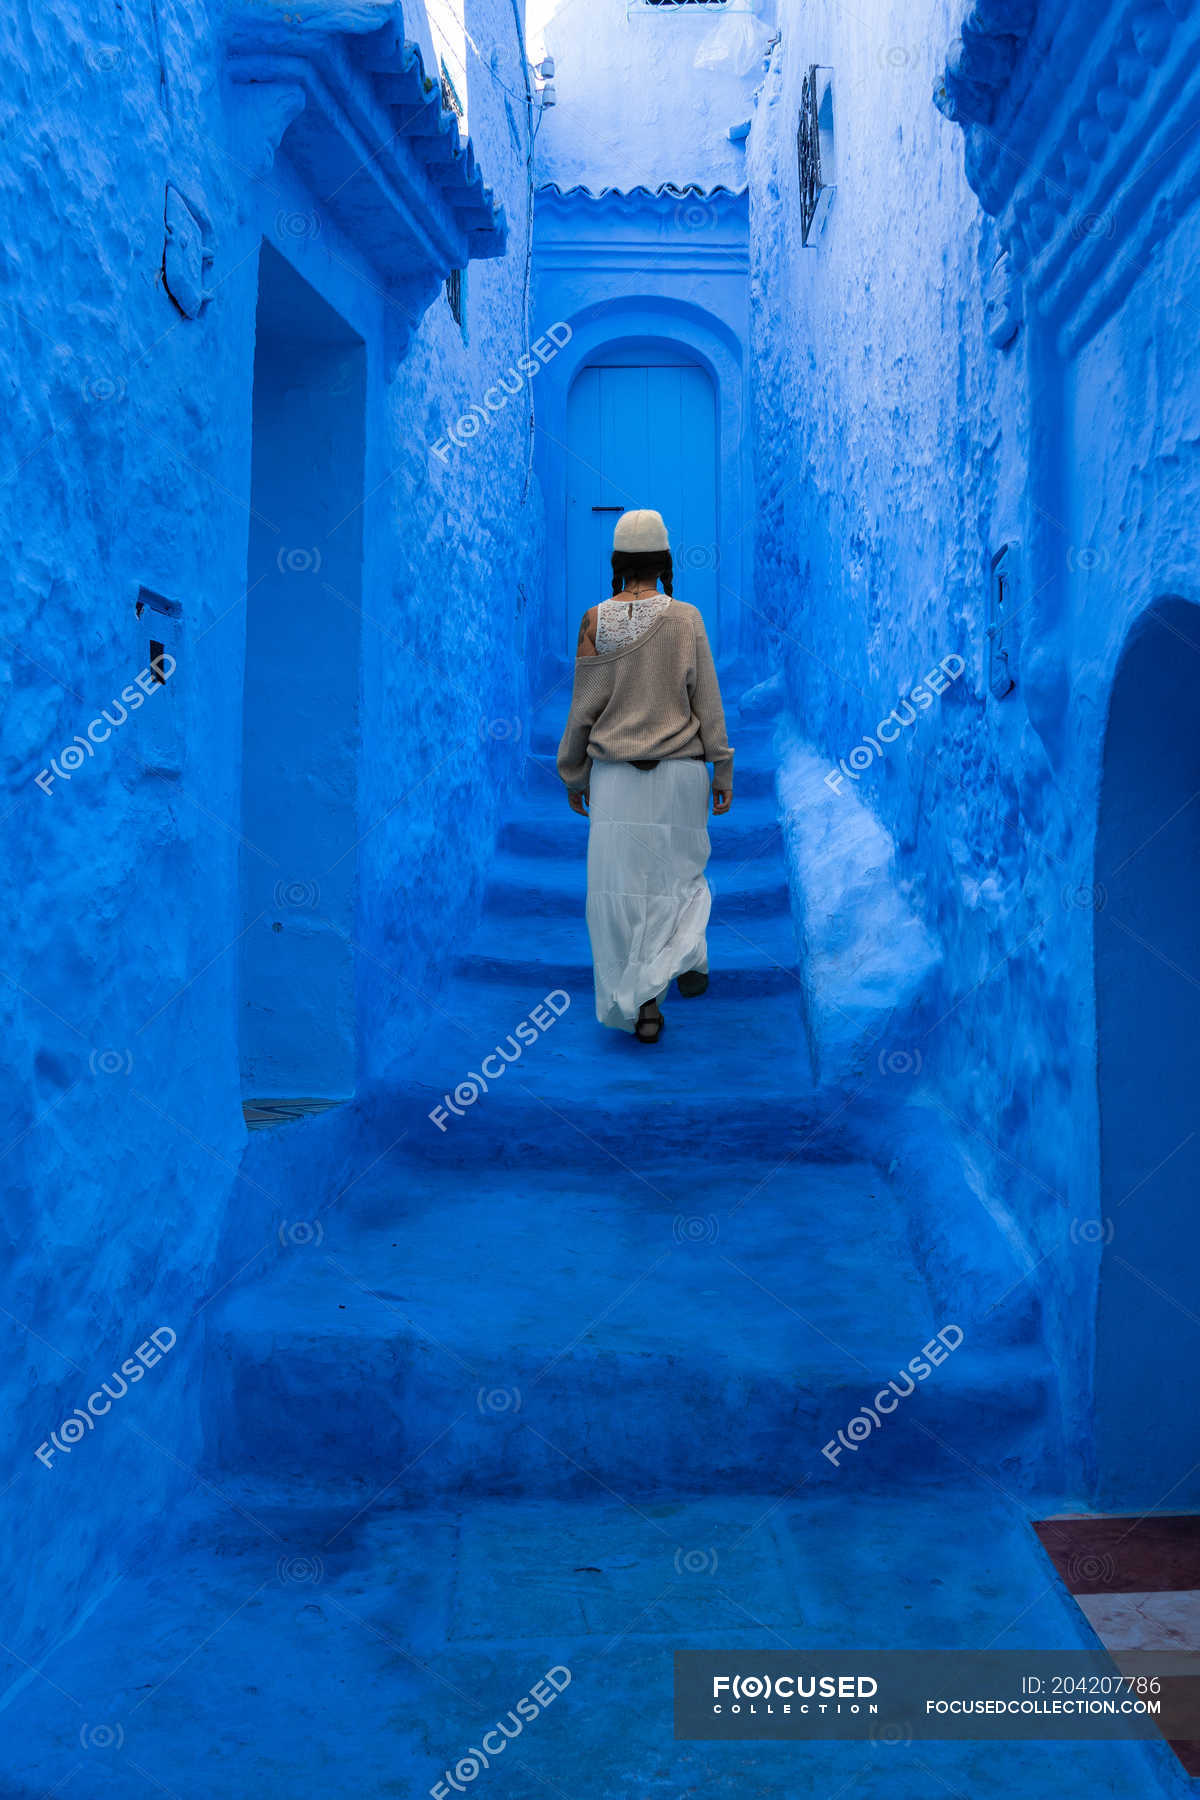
652	1021
691	983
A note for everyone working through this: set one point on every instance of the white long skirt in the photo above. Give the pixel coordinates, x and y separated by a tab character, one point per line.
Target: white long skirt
647	899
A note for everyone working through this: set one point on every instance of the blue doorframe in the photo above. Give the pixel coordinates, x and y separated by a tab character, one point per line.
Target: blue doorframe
641	431
641	333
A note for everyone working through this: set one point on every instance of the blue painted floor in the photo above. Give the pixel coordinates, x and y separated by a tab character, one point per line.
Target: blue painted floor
549	1389
303	1641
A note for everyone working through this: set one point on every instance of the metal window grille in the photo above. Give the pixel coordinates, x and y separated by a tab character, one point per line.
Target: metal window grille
808	150
634	7
815	149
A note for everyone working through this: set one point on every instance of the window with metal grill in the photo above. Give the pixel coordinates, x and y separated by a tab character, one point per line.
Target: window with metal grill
815	150
456	294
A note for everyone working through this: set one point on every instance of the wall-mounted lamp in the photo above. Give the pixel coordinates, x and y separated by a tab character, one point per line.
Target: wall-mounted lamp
544	71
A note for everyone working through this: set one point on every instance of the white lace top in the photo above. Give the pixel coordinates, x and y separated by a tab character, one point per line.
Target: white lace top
621	621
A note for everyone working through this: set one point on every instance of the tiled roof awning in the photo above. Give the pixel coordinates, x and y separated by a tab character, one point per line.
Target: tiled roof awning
667	190
365	126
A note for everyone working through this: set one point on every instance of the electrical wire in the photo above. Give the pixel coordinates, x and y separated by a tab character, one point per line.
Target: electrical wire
531	131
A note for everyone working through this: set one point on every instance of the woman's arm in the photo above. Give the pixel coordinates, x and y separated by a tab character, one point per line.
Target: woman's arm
586	642
706	704
587	702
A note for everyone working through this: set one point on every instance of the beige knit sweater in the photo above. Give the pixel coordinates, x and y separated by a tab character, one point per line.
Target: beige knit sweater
657	698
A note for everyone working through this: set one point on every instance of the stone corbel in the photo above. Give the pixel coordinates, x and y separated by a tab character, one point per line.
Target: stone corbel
406	304
265	111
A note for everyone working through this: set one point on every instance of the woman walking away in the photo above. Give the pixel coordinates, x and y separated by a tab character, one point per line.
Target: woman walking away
645	718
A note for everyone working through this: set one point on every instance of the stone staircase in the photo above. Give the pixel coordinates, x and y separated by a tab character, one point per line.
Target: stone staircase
551	1387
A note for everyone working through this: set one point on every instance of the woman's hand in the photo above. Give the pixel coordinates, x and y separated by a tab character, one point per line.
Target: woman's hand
721	801
578	800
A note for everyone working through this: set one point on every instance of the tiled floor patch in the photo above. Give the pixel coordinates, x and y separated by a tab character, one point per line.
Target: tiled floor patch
1137	1580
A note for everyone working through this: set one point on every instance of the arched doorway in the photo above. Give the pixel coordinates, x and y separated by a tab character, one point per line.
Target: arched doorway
642	431
1147	951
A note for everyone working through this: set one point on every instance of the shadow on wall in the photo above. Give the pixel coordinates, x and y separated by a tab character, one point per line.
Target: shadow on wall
1147	951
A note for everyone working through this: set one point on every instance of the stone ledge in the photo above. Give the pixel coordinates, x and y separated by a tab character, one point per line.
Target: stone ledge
365	125
1076	141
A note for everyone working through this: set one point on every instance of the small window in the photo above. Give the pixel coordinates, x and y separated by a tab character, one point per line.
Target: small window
815	151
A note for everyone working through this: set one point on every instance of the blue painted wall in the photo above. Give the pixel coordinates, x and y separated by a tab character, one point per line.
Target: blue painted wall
920	402
646	94
132	467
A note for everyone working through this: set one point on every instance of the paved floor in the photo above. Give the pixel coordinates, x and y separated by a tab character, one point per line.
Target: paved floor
307	1642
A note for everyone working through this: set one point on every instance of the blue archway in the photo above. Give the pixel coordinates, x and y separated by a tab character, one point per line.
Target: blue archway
641	431
603	333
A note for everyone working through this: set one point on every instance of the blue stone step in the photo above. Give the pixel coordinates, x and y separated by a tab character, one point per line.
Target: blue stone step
579	1346
540	1119
748	956
686	1422
749	830
537	888
752	780
582	1095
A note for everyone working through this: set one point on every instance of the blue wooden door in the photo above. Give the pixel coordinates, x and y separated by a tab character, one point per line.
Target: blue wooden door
642	435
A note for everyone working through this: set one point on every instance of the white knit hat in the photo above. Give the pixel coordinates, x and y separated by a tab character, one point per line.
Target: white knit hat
638	531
